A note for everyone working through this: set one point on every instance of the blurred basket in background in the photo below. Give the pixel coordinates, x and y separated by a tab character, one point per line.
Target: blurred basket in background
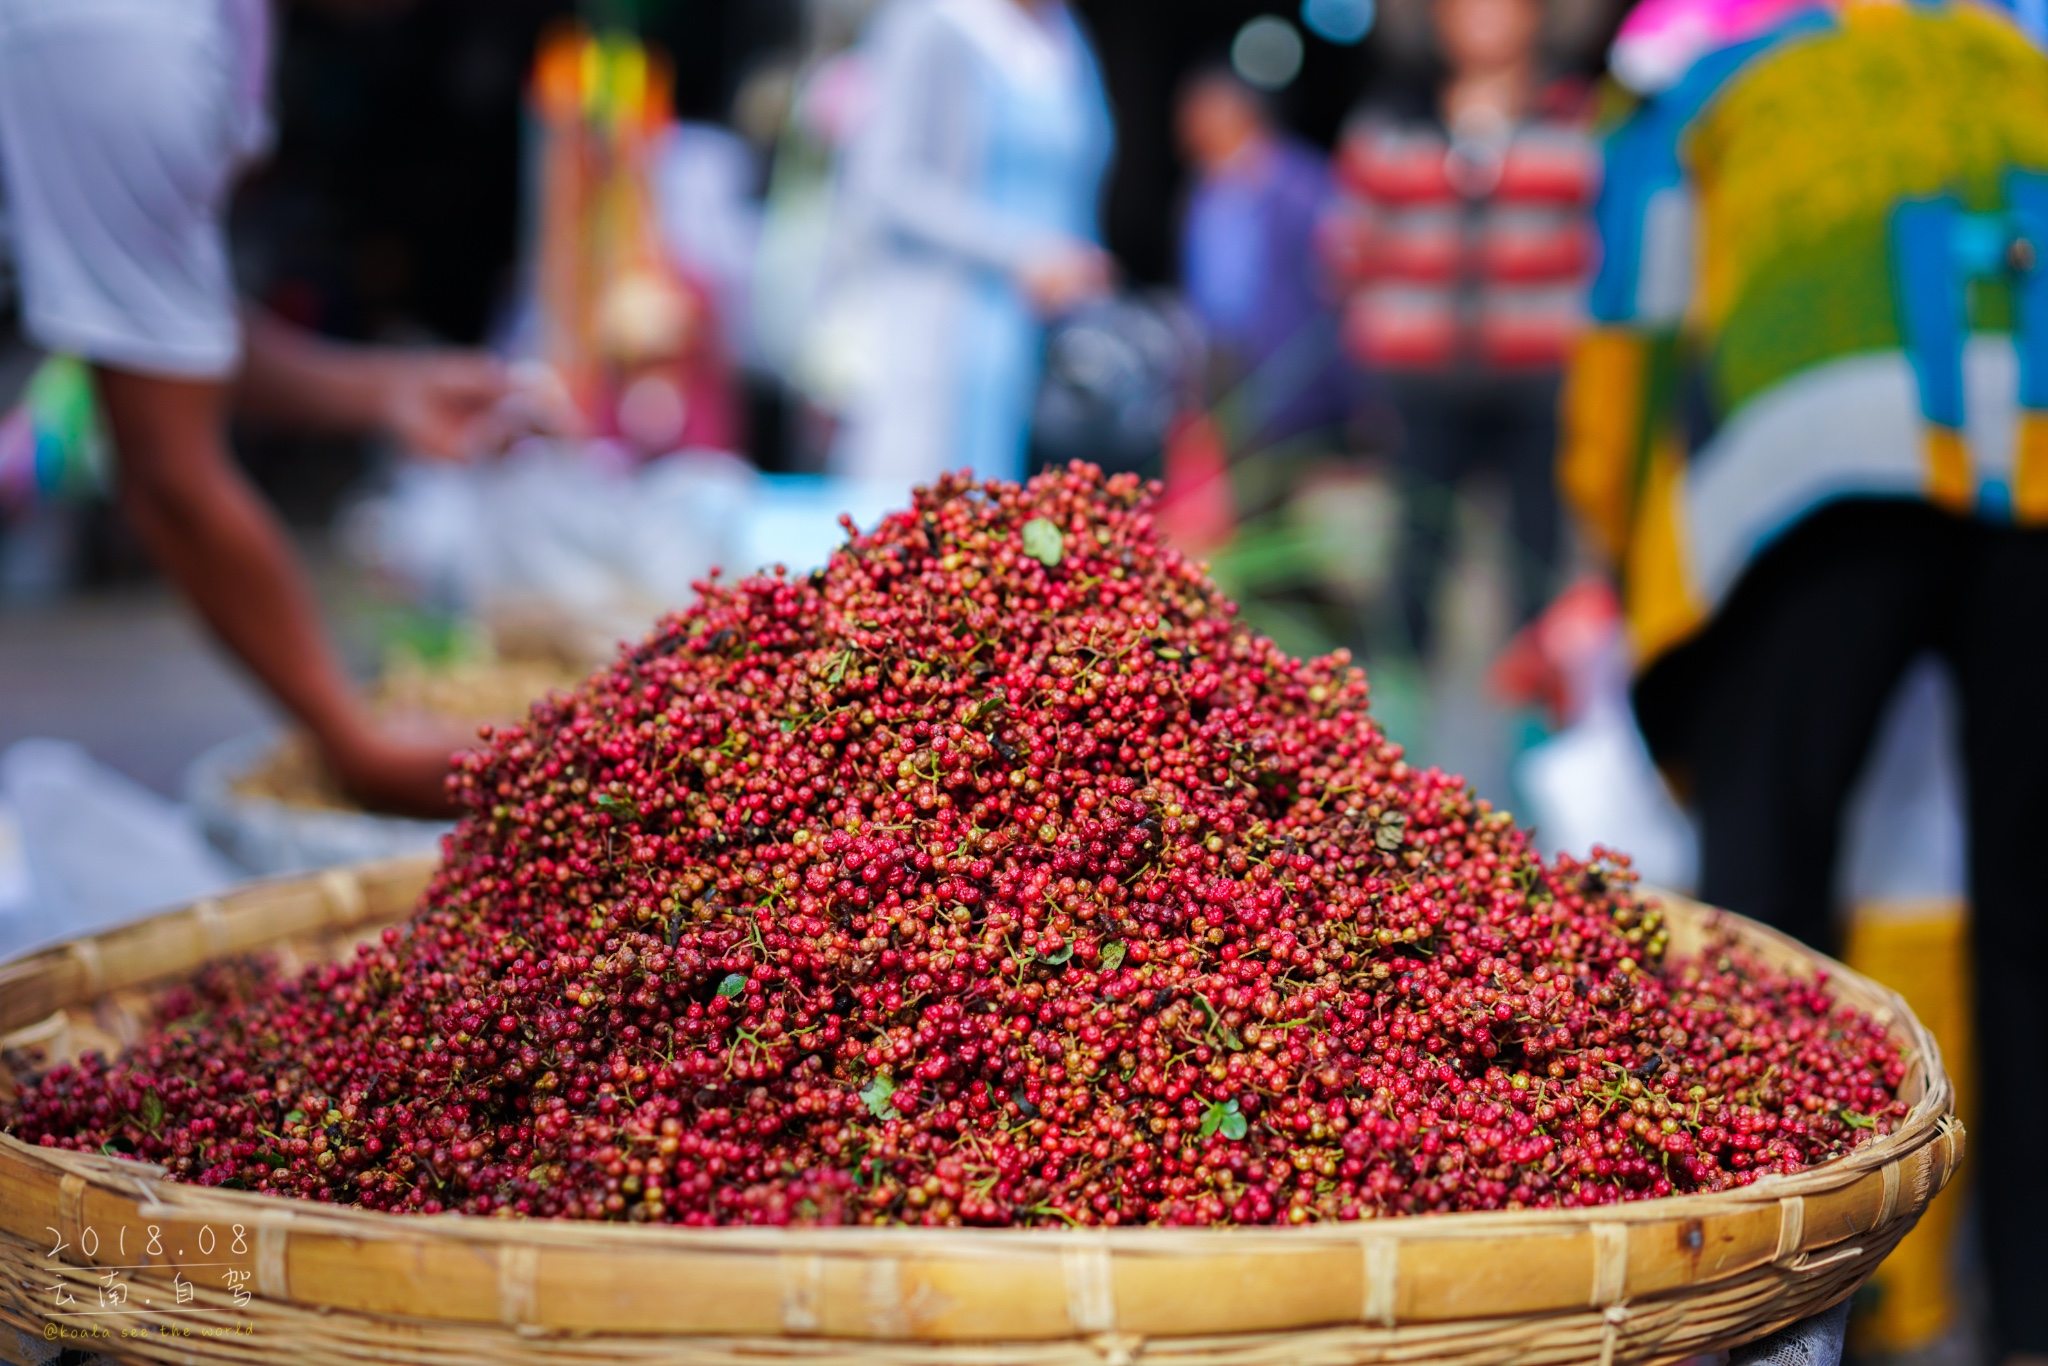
269	803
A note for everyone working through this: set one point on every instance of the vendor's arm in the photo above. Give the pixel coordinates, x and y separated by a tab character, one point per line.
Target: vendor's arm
441	404
115	134
209	532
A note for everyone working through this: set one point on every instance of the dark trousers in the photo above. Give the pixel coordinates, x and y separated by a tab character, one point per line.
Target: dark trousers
1770	713
1457	426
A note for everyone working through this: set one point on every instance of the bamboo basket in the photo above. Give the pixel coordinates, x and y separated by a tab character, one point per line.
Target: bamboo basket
267	1279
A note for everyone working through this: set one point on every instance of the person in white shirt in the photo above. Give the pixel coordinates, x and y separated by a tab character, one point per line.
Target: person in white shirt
970	195
123	126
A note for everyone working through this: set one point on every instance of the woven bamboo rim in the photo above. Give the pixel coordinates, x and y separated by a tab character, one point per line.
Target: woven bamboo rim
270	1279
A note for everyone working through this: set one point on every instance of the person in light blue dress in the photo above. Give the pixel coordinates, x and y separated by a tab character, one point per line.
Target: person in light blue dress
969	197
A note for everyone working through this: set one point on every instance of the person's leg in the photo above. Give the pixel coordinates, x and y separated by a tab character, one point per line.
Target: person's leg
1524	445
1427	469
2001	659
1772	711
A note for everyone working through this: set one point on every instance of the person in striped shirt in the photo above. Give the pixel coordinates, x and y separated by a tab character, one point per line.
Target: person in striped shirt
1463	239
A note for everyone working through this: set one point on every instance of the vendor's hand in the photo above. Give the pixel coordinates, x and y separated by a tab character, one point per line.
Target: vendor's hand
445	405
396	773
1065	276
539	404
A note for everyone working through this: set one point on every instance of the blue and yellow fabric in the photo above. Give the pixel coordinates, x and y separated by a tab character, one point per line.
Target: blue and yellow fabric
1819	279
1824	275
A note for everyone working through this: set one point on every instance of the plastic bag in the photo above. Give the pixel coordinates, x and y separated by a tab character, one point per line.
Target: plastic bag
558	532
1117	375
552	535
1593	782
270	837
53	444
99	848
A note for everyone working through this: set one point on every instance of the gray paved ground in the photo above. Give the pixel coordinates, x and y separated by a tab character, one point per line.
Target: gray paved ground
131	676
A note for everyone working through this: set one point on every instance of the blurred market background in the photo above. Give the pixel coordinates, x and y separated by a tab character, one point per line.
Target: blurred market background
402	204
645	204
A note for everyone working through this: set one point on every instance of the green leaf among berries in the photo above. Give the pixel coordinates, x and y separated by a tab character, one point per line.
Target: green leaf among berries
878	1094
1043	542
617	806
1224	1117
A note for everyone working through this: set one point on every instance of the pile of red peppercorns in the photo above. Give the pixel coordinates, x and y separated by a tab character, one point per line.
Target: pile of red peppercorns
994	874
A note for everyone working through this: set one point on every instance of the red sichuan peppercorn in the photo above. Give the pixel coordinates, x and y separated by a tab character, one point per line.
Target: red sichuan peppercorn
994	874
